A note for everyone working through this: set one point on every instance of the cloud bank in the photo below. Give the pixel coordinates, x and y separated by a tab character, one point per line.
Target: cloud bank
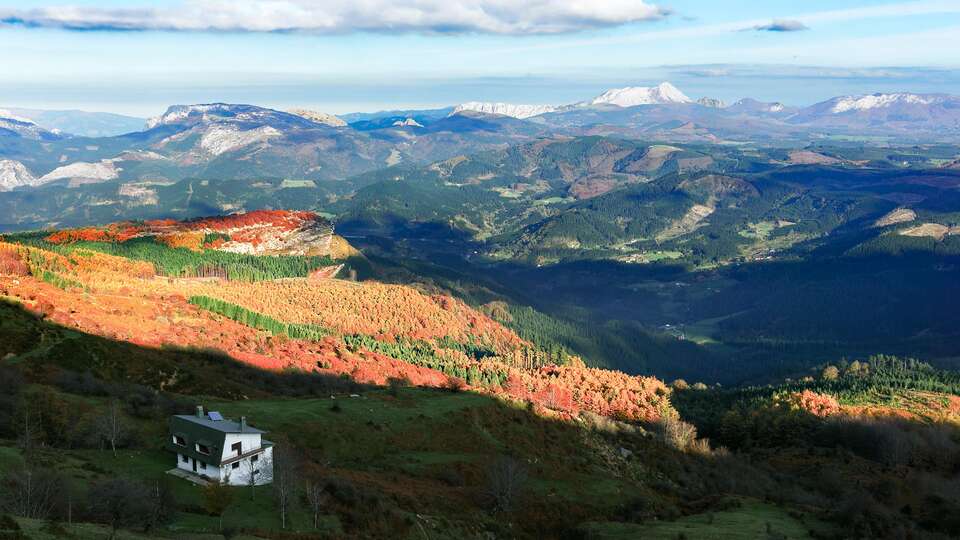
344	16
780	25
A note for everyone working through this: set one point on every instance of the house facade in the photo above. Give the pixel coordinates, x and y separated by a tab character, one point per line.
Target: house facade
219	449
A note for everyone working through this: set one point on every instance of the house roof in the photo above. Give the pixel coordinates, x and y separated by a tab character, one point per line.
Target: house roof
223	426
203	430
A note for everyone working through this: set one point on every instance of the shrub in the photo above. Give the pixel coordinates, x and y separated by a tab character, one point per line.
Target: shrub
830	373
455	385
11	264
675	432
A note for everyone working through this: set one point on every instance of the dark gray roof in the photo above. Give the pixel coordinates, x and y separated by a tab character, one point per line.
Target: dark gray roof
224	426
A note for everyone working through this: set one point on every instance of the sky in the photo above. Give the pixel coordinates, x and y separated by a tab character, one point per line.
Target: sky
138	56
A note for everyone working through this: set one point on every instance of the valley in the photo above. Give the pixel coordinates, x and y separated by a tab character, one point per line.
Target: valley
637	315
415	404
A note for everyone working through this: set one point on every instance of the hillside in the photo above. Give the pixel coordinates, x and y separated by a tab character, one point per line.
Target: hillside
169	271
439	416
729	258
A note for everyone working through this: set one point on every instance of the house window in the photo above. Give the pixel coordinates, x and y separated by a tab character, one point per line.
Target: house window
254	458
236	448
179	441
236	465
203	449
185	458
203	466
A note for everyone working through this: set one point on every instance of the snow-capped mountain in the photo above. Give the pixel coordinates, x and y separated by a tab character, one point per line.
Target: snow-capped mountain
8	115
180	114
99	171
631	96
504	109
319	117
877	101
752	106
213	129
24	127
209	113
222	139
887	112
14	174
409	122
663	93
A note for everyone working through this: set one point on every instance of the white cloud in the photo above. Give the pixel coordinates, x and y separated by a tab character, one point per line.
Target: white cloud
341	16
893	10
780	25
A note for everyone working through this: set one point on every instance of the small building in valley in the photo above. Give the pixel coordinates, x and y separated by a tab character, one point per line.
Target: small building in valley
222	450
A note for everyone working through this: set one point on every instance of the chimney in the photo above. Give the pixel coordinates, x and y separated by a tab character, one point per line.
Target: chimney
199	411
243	424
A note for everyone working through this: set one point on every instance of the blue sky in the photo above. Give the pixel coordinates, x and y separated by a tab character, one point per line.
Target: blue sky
137	57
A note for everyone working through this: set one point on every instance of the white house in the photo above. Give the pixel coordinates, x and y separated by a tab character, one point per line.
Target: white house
219	449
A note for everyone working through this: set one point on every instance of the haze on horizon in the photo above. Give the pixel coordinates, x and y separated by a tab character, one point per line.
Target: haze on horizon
138	57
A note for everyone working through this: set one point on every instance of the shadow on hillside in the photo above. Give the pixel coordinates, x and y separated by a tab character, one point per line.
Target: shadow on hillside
48	352
392	454
378	457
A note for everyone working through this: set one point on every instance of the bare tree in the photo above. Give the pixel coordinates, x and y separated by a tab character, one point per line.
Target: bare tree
121	503
317	498
163	504
506	479
111	426
28	429
31	493
285	470
258	472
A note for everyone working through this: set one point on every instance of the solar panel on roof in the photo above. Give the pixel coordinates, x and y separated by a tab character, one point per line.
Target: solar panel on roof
214	415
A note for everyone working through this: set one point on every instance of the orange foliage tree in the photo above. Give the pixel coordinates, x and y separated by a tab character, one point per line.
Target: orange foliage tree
821	405
10	261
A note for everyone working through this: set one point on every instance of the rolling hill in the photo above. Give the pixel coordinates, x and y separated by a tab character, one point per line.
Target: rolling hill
390	401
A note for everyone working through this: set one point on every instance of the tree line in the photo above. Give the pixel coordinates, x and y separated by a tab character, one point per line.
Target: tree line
415	351
182	262
253	319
